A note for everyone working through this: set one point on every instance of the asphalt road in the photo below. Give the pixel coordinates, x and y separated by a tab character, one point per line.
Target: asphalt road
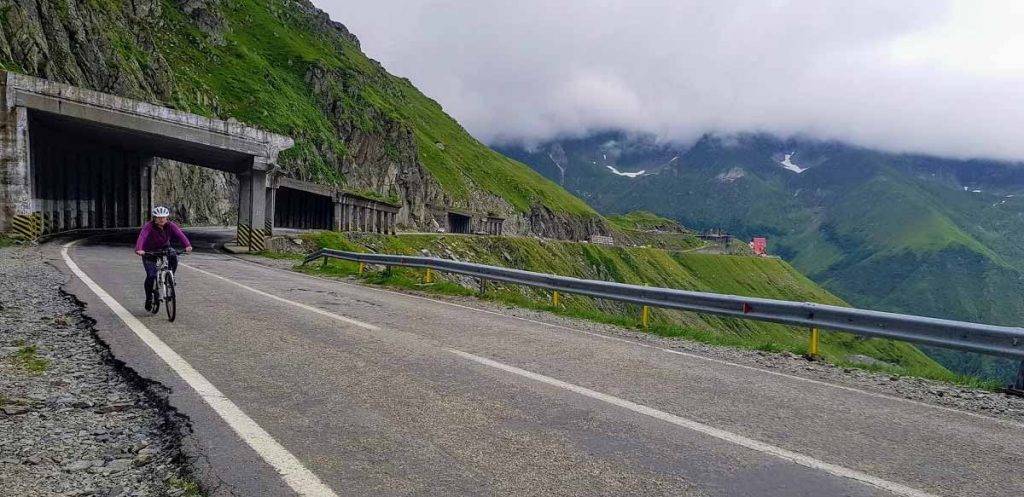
380	393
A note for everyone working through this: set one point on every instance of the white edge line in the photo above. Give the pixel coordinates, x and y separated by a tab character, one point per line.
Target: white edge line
691	355
733	438
291	470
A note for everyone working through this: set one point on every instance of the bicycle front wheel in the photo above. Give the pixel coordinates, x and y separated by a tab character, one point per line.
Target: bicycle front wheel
170	303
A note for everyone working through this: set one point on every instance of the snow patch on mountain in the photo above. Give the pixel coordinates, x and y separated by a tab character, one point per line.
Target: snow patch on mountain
732	175
628	175
788	164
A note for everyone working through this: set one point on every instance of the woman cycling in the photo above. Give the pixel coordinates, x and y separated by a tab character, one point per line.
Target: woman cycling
156	235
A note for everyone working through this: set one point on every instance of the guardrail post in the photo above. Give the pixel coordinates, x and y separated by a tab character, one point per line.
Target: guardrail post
362	267
812	346
645	317
324	263
1018	383
554	298
428	277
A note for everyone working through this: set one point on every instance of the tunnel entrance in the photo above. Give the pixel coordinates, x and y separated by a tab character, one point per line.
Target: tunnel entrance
81	183
303	210
72	158
458	223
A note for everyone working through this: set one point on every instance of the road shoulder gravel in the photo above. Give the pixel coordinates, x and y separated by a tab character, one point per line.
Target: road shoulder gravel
74	421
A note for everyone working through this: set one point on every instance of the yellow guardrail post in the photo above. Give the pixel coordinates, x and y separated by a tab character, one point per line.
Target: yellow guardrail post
645	317
362	267
554	298
428	277
812	347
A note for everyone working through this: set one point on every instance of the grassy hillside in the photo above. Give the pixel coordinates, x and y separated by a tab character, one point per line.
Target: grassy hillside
260	75
283	66
644	229
753	276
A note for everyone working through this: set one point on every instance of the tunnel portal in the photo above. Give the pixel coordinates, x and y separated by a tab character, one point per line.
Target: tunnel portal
74	159
79	182
302	209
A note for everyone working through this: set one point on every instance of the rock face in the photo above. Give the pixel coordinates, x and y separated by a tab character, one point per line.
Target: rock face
283	65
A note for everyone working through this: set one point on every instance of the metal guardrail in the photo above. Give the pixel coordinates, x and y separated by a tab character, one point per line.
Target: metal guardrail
961	335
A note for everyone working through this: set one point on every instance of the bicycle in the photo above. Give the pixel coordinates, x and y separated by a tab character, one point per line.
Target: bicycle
164	284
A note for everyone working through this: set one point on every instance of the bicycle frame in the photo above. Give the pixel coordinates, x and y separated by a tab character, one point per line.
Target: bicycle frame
163	271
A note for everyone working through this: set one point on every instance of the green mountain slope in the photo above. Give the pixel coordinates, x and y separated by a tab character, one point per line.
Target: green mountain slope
284	66
902	233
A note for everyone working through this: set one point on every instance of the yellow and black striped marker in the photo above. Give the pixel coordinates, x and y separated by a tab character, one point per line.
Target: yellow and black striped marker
243	235
27	226
257	241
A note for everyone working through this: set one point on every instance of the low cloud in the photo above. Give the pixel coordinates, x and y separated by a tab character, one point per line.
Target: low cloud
944	78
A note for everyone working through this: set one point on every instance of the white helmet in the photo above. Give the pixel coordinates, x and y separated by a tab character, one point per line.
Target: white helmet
161	211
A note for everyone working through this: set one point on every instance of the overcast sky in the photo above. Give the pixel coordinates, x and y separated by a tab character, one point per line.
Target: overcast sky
928	76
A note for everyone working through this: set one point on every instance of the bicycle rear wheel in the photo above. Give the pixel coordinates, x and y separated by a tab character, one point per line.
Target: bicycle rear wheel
170	303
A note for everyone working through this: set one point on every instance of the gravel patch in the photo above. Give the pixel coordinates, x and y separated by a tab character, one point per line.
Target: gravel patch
74	421
981	402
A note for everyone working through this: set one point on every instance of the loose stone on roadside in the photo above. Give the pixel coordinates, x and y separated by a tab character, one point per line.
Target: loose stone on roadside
73	424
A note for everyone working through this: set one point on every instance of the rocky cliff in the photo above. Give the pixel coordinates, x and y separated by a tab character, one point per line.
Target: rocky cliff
285	66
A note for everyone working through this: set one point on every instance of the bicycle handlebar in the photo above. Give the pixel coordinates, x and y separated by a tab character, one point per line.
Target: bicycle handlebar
163	253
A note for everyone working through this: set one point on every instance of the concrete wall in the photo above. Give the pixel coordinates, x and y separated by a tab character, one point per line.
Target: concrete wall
15	177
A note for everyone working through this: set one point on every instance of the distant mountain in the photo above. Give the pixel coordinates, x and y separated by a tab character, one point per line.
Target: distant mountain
904	233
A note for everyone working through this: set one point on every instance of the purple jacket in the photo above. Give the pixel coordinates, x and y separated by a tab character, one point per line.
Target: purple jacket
153	238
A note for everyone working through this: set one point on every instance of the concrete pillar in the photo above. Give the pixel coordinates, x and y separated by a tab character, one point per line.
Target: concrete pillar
15	167
339	210
252	200
271	210
146	189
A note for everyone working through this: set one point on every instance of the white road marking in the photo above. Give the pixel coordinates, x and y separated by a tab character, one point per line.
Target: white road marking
300	305
877	395
300	479
749	443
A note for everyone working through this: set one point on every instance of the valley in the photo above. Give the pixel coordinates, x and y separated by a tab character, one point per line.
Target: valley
896	232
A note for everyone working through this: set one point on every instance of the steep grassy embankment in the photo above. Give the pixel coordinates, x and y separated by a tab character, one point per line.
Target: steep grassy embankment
752	276
644	229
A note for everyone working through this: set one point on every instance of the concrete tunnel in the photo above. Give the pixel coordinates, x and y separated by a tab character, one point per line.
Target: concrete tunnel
73	159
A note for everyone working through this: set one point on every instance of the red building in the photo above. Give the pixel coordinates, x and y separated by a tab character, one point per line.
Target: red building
759	245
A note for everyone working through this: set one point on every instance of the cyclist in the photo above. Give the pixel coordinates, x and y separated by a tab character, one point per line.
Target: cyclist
156	235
